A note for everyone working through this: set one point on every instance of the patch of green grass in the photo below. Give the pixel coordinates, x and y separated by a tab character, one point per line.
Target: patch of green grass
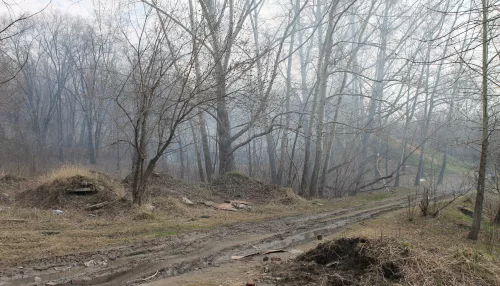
468	201
452	214
454	166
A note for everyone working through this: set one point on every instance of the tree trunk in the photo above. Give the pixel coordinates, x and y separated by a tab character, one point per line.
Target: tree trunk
226	158
478	208
271	152
410	111
205	145
181	159
401	164
284	138
442	172
377	93
90	143
201	116
249	158
425	126
322	82
60	129
197	152
303	120
304	183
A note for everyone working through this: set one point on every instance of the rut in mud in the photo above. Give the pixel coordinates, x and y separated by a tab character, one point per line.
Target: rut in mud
169	256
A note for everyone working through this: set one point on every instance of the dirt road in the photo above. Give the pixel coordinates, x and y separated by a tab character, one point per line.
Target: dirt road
154	261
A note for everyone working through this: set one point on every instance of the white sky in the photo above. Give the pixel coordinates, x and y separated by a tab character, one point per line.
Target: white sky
74	7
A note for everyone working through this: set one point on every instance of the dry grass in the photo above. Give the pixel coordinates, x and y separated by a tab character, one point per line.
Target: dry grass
69	171
66	172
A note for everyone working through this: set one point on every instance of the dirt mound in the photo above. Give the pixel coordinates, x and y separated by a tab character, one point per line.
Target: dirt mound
355	261
239	186
360	261
155	178
75	192
163	185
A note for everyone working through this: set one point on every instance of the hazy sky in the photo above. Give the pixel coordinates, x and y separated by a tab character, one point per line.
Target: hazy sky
76	7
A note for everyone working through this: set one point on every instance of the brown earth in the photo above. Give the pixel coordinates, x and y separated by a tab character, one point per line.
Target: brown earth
387	250
176	238
162	184
232	186
66	194
171	255
346	261
237	186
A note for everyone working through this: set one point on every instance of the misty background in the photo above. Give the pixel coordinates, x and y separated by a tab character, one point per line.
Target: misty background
326	97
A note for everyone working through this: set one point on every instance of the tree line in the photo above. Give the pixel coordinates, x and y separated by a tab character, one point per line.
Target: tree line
327	97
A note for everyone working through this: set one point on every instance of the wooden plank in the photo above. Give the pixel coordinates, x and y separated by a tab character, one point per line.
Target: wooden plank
81	191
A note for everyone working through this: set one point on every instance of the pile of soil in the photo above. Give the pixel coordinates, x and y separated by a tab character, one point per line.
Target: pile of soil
74	193
237	186
347	261
163	185
361	261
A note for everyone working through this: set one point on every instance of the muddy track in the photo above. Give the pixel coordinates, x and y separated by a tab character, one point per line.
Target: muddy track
170	256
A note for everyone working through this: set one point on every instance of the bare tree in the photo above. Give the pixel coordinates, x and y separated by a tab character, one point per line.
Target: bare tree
478	207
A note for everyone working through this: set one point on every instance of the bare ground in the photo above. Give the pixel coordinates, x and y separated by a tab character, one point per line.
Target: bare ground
423	251
172	255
